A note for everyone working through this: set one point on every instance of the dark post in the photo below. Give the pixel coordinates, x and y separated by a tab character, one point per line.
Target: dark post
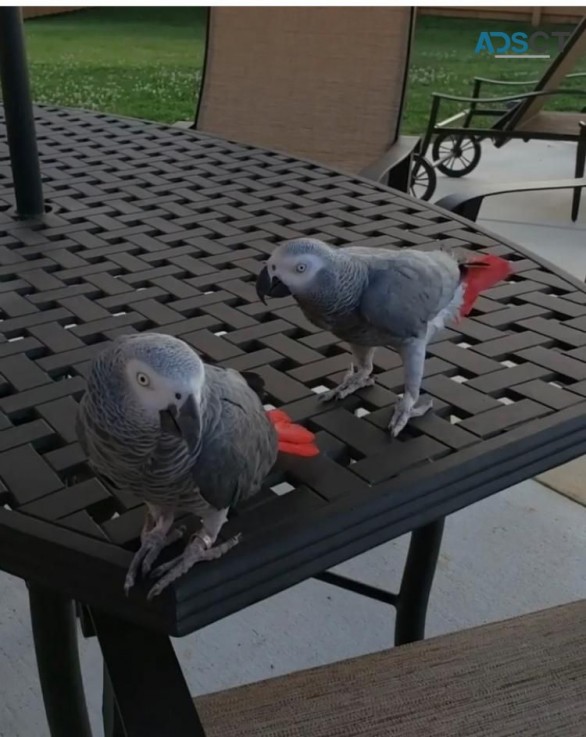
417	580
18	111
55	638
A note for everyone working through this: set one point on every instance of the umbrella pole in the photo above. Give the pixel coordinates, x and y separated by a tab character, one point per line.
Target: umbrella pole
18	112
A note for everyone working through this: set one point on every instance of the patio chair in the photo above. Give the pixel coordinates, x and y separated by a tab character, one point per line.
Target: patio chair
325	84
521	676
468	204
456	150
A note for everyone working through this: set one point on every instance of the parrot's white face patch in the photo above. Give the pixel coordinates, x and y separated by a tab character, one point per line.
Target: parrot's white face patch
155	392
296	271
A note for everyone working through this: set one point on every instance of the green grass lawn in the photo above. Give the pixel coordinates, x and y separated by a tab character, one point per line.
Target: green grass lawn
146	62
141	62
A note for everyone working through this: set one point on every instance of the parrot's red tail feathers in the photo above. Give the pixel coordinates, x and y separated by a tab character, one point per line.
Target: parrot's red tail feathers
480	273
293	439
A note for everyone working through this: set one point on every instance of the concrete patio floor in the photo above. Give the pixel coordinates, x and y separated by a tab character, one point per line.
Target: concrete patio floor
519	551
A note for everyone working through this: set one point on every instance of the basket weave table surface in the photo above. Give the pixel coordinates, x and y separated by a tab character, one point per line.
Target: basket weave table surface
158	228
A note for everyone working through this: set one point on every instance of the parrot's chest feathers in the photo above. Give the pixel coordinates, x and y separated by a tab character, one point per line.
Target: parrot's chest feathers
345	323
316	316
329	314
142	461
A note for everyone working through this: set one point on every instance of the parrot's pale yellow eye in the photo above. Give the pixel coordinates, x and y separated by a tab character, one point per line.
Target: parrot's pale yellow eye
300	268
143	379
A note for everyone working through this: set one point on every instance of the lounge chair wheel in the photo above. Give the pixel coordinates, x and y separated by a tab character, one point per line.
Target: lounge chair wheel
423	178
456	155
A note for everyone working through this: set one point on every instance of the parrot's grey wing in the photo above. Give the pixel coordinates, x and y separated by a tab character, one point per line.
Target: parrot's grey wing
240	449
384	251
256	383
370	252
404	294
229	471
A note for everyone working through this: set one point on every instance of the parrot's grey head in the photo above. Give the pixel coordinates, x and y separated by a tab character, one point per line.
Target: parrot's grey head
294	267
156	379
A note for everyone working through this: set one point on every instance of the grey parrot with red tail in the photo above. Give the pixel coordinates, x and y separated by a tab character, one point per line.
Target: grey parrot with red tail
373	297
184	437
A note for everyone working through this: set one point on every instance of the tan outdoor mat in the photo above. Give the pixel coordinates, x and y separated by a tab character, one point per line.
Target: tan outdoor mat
525	677
569	480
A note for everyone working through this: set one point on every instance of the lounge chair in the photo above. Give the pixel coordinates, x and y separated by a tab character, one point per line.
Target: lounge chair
456	150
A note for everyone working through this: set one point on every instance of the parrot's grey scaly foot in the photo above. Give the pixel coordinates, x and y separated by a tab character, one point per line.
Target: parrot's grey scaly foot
352	382
153	542
405	409
196	551
153	554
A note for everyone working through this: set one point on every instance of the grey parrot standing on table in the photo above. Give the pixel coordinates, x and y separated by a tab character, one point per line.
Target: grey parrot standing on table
373	297
183	436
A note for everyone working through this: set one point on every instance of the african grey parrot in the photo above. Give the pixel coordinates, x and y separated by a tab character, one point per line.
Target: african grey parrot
373	297
183	436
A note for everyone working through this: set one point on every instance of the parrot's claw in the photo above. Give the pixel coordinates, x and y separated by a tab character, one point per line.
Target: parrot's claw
351	383
153	543
405	409
195	552
153	554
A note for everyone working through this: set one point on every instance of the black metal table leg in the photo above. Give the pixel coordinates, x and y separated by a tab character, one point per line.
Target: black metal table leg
113	726
147	685
417	581
357	587
55	638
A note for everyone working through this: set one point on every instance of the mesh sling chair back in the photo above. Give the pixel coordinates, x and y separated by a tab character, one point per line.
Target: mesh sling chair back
325	84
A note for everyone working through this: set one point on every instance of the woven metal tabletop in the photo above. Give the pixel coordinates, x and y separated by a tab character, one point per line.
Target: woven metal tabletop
158	228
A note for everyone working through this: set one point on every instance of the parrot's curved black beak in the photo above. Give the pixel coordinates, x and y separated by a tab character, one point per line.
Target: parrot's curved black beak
183	423
270	286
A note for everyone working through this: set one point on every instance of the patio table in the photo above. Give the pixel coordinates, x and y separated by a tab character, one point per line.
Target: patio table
156	228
